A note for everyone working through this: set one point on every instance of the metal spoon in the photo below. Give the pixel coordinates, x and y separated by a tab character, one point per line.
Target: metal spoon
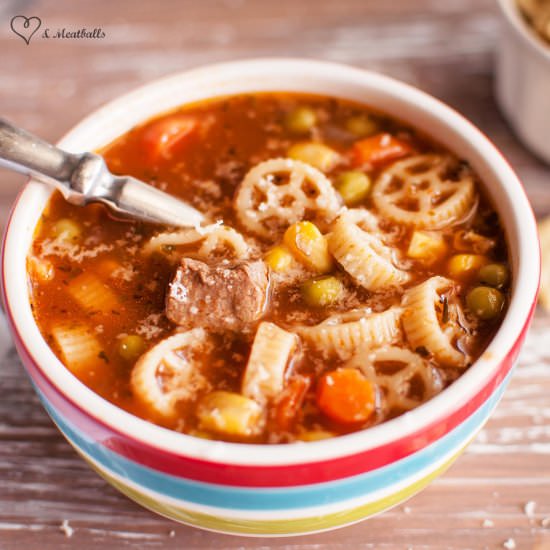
85	178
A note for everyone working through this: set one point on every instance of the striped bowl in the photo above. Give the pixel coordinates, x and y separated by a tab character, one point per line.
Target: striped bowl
278	489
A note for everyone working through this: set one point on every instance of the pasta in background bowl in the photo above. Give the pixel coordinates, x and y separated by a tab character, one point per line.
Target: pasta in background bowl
302	487
537	13
522	83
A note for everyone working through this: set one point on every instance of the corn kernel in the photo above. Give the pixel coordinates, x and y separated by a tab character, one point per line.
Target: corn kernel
322	292
230	413
279	259
353	186
463	266
67	230
308	245
316	154
426	246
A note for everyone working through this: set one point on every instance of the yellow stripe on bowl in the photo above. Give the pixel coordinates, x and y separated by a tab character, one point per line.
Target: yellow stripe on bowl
271	527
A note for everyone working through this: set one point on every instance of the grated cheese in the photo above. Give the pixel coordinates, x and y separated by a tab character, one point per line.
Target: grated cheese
529	508
64	249
125	273
66	528
148	327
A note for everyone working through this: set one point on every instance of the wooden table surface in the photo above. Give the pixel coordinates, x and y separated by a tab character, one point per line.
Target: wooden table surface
498	493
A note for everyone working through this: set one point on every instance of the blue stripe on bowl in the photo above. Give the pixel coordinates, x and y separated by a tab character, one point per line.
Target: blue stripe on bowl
224	496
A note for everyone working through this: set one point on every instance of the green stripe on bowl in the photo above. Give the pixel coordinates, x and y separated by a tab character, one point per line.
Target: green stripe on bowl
272	527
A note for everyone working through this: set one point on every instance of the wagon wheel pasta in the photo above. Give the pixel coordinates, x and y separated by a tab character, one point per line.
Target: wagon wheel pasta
405	378
351	269
78	345
167	373
431	320
342	334
361	217
417	192
537	12
364	256
213	238
264	374
279	192
93	294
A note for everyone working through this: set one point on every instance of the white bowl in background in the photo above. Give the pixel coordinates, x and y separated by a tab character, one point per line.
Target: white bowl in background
523	80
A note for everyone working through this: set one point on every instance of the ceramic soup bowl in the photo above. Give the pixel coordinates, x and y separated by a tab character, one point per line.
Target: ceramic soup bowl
293	488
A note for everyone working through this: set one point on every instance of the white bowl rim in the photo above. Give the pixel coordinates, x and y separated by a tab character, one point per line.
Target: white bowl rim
528	35
484	369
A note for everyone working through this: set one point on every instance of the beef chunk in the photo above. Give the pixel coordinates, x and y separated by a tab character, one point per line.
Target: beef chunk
217	298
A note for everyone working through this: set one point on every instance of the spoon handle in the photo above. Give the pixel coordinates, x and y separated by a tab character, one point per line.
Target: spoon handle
85	178
28	154
81	178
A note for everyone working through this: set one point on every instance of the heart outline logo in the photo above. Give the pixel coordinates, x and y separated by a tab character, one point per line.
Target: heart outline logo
21	26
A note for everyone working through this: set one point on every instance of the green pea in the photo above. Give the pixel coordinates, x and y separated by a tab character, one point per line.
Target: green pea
301	120
485	302
495	275
353	186
361	125
131	347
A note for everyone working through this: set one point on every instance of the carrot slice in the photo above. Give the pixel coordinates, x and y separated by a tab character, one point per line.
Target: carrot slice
346	396
379	149
162	138
290	401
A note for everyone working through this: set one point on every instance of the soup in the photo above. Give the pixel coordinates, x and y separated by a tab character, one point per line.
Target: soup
350	269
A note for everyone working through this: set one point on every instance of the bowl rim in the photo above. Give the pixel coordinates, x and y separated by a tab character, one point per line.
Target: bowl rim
527	34
526	282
